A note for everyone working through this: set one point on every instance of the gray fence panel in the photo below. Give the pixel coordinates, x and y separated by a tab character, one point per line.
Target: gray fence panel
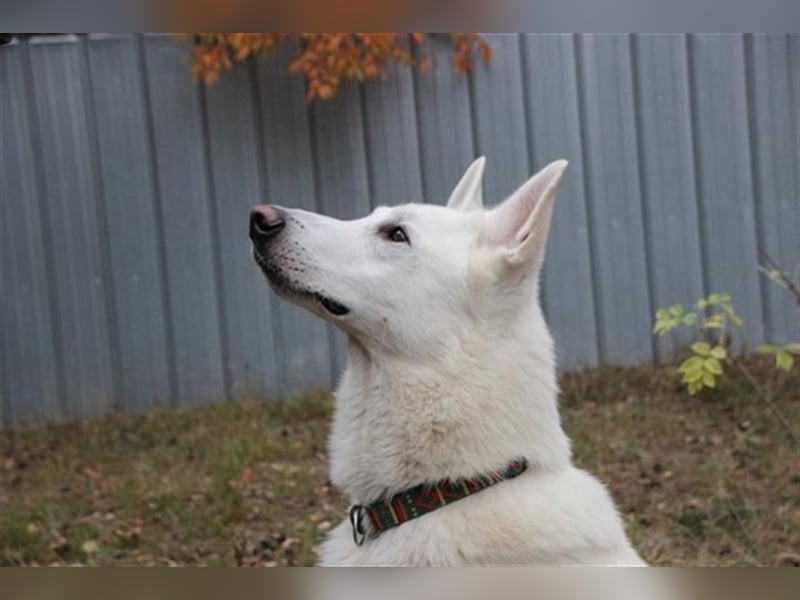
554	132
30	356
672	229
184	200
286	148
499	119
444	123
724	172
235	166
126	271
392	139
132	219
775	92
73	227
612	172
341	162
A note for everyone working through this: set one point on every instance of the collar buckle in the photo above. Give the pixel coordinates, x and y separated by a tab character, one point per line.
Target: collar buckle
356	515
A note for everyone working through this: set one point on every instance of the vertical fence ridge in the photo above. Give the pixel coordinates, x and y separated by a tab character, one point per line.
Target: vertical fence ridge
697	160
362	105
649	251
42	197
418	130
102	222
216	260
477	148
166	296
594	255
755	179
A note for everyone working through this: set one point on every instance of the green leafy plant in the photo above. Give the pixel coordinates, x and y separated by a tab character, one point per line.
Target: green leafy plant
712	318
708	359
783	354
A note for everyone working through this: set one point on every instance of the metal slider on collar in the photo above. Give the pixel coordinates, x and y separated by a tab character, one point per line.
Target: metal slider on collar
357	512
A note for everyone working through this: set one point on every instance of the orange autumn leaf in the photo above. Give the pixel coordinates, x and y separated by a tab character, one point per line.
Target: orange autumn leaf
246	476
327	59
91	472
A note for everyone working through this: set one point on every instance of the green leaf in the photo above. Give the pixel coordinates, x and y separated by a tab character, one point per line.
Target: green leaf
690	318
736	319
693	376
712	366
709	381
792	348
692	363
676	310
784	360
701	348
719	352
714	298
662	327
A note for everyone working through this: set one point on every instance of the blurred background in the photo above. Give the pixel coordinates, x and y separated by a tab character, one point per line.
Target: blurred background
127	282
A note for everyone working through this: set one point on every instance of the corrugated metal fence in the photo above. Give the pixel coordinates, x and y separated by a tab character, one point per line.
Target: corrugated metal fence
126	276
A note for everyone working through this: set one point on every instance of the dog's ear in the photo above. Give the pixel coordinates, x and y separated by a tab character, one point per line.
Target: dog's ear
468	194
519	225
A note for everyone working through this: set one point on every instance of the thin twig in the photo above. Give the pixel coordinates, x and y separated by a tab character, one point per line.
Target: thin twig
775	410
238	553
781	274
746	533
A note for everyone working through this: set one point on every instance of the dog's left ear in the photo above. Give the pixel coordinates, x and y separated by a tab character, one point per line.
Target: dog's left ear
519	225
468	193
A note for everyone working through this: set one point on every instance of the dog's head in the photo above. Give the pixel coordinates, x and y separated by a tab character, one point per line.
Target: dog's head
405	279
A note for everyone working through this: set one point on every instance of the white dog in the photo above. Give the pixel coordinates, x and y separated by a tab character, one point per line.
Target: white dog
446	437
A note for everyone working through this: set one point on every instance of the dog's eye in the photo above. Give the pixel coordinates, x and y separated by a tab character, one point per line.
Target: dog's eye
395	233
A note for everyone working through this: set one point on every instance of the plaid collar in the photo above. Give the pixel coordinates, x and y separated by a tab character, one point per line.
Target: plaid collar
424	498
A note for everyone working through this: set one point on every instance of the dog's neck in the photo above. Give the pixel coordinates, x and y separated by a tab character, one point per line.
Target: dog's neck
401	422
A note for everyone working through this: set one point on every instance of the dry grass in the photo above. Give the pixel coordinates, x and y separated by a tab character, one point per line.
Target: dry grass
705	480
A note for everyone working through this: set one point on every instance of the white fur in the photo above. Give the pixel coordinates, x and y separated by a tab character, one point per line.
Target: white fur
450	374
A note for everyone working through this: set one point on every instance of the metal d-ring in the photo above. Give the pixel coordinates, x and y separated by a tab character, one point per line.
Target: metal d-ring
357	523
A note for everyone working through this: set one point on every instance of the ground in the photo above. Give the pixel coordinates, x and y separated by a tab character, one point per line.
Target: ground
705	480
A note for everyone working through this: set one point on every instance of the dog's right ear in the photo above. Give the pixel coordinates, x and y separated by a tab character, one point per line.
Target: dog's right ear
519	226
468	194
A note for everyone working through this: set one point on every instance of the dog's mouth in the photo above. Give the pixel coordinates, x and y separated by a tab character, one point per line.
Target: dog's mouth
332	306
284	286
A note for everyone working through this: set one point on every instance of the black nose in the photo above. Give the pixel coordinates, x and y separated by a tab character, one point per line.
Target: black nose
265	223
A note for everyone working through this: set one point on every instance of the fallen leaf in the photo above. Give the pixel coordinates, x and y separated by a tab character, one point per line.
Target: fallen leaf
57	543
288	543
246	475
91	472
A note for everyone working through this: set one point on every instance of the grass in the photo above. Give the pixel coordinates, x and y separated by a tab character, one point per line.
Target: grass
706	480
